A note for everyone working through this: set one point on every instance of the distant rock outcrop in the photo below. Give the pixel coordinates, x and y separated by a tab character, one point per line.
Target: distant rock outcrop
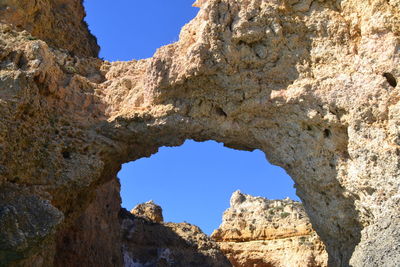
149	211
147	241
255	232
259	232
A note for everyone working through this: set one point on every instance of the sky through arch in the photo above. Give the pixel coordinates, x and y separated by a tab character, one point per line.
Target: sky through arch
192	182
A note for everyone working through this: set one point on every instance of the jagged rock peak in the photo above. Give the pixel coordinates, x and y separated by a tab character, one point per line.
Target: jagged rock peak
238	198
256	230
149	211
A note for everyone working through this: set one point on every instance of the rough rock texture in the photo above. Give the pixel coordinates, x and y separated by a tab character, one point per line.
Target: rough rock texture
259	232
149	211
151	243
311	83
58	22
95	234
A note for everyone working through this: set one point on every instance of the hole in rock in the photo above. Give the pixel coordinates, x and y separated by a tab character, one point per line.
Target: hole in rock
66	155
327	133
194	182
221	112
127	29
390	79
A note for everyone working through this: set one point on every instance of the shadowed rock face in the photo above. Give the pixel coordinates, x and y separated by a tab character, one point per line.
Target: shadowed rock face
95	234
147	241
305	81
259	232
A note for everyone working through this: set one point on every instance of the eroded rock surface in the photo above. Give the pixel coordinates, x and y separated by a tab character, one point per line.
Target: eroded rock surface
313	84
95	233
58	22
259	232
150	242
149	211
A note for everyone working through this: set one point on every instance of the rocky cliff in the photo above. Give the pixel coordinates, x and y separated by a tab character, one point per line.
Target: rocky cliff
148	241
313	84
255	232
58	22
259	232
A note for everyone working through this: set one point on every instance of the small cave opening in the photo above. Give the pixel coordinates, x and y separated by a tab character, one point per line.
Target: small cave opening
194	182
66	154
390	79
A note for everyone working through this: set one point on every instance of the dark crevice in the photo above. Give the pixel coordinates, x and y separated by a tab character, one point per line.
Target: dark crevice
66	154
221	112
327	133
390	79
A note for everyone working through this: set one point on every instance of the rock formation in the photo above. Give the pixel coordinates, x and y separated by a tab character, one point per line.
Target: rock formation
58	22
147	241
313	84
95	235
259	232
149	211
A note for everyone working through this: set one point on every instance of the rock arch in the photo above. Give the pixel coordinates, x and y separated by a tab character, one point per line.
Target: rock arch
301	80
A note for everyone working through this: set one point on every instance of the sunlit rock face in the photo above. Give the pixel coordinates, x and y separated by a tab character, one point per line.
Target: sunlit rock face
259	232
311	83
58	22
149	211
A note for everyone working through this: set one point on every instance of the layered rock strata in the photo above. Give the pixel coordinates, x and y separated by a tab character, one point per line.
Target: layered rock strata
259	232
147	241
313	84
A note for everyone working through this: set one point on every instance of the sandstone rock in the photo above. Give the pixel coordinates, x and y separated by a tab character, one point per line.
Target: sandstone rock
149	211
305	82
199	3
58	22
150	243
259	232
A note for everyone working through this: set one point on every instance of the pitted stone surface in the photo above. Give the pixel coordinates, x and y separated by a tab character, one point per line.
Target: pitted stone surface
256	231
304	81
58	22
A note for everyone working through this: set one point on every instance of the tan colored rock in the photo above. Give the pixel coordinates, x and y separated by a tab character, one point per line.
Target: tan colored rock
149	211
199	3
259	232
58	22
312	84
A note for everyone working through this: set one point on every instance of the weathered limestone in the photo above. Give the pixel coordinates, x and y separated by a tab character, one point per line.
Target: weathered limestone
311	83
58	22
259	232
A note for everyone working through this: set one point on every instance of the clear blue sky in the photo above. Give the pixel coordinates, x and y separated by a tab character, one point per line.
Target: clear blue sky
192	182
